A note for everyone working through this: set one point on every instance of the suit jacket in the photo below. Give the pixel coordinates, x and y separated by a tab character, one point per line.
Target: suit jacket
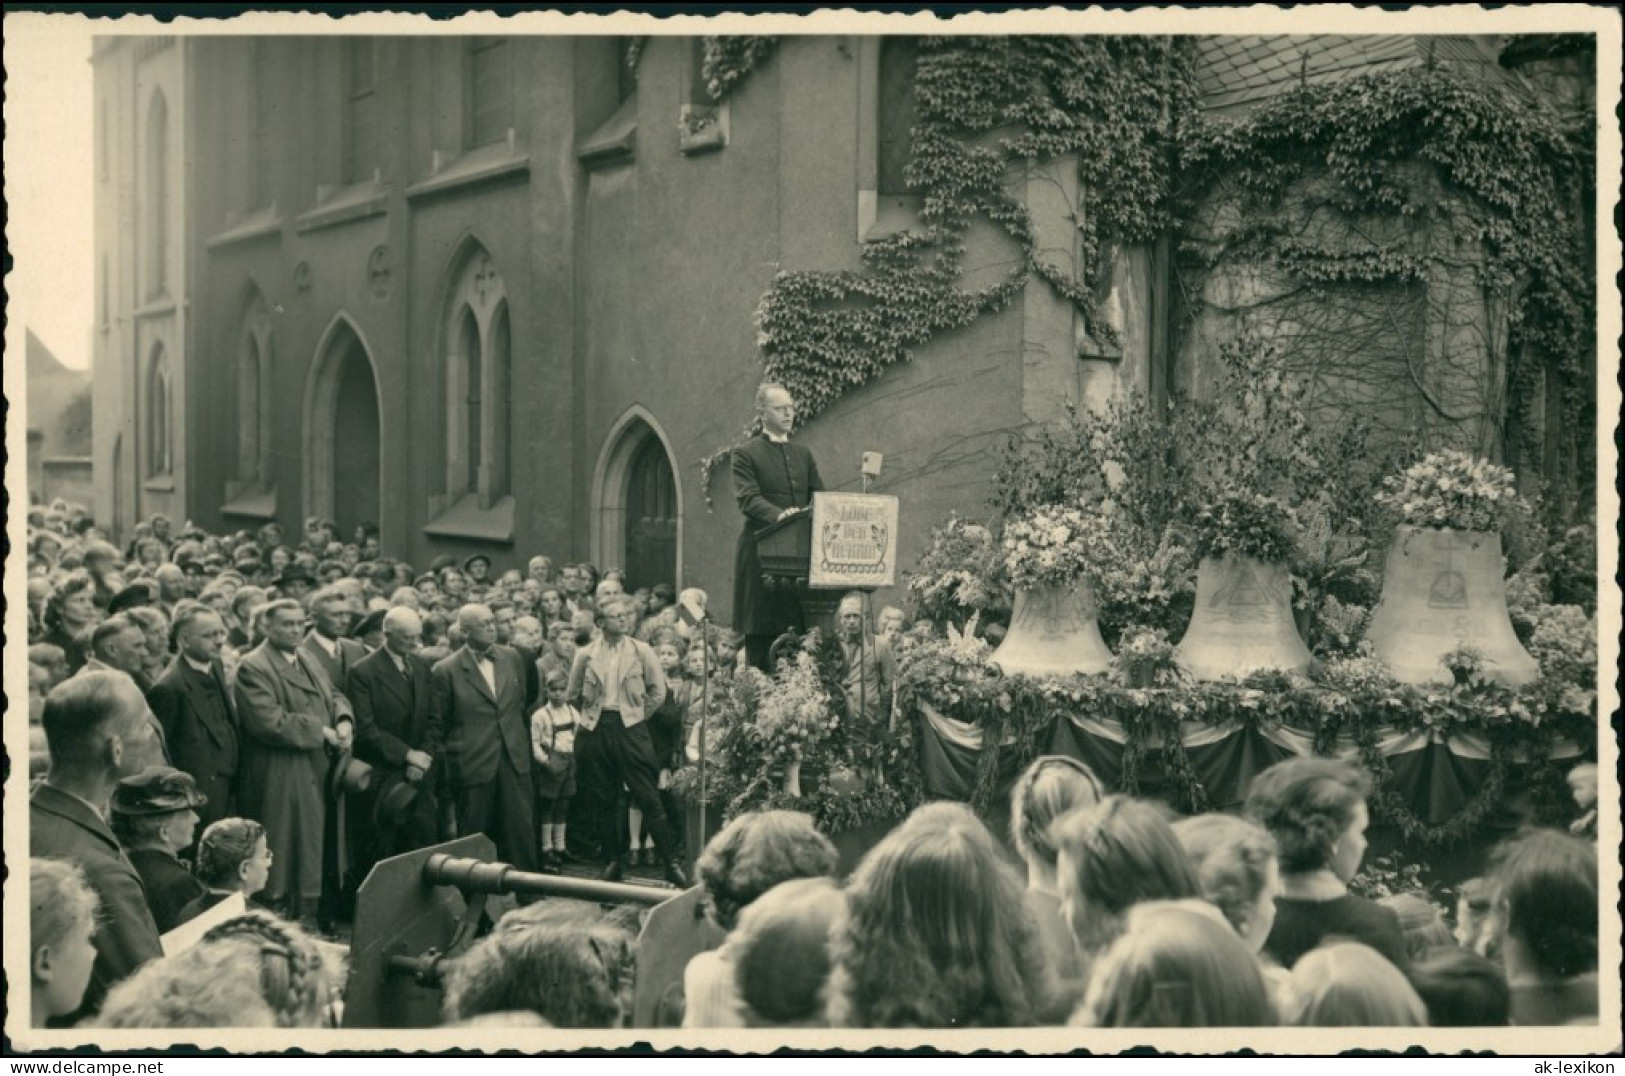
199	718
394	714
61	826
643	685
284	708
768	477
169	885
481	726
351	652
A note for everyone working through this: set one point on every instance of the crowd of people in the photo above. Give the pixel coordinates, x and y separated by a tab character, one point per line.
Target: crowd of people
233	719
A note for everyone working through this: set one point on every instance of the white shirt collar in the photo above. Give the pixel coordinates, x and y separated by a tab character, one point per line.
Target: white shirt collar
777	438
329	645
201	666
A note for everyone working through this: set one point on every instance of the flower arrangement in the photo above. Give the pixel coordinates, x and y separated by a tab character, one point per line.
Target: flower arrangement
1054	546
795	715
961	572
1145	658
1338	627
1564	643
1455	491
1359	674
1247	524
1465	663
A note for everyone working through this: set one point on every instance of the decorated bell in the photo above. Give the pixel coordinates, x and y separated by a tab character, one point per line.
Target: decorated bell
1053	632
1445	589
1243	621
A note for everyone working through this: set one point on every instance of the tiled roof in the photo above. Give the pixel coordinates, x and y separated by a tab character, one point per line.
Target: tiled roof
1233	72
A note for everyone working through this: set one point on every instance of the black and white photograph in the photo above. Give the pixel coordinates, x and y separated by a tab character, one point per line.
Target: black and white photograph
1048	532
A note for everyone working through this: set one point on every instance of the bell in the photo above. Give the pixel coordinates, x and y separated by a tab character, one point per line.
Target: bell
1444	589
1243	621
1053	632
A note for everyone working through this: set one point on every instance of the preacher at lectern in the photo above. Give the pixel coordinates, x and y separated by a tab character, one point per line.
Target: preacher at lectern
773	480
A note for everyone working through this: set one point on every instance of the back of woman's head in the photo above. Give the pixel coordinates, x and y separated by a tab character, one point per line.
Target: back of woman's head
937	932
1546	898
291	968
780	950
1051	786
1422	922
1306	804
1113	856
756	852
1350	985
1462	989
571	971
1177	964
1233	859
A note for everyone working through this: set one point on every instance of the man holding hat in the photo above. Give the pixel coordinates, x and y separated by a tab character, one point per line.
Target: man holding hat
154	816
399	731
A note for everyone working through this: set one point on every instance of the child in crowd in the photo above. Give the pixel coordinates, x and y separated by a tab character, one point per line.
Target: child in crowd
61	920
1583	786
553	744
1474	901
232	857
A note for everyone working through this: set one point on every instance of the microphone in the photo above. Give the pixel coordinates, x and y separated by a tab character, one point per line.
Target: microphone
871	464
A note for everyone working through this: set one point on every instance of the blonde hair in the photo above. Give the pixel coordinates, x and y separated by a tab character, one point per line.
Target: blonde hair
1350	985
1178	964
59	898
1232	857
1050	787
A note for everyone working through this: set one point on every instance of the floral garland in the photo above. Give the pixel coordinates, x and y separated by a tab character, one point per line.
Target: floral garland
1020	715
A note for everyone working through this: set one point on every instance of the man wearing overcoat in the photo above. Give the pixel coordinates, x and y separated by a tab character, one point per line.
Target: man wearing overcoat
773	479
291	717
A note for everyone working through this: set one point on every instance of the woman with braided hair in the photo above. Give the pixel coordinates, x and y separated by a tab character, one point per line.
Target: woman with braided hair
252	971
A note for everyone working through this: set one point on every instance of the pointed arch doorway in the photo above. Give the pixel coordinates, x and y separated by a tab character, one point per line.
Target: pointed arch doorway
637	525
342	468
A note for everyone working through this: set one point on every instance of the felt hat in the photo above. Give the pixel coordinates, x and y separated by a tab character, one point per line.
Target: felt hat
372	622
156	790
349	774
133	596
395	798
296	573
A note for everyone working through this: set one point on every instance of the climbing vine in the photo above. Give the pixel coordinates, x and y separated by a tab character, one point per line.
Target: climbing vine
1420	226
986	107
728	61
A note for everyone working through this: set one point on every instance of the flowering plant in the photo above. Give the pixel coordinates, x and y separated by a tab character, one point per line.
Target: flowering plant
1247	524
961	572
1451	489
795	715
1145	658
1054	546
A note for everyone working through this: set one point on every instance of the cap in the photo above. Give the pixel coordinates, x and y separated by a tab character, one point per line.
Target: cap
133	596
373	621
157	790
442	562
468	565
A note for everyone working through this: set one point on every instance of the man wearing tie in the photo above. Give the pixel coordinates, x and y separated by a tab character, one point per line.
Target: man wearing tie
198	714
291	717
398	730
328	642
479	694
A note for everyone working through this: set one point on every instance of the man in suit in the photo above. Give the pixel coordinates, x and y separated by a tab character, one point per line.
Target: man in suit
398	730
616	683
98	729
291	718
773	480
479	692
198	714
328	642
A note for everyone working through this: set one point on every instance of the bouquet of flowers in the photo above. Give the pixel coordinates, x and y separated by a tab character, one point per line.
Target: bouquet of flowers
960	572
1145	658
1054	546
1247	524
795	715
1453	490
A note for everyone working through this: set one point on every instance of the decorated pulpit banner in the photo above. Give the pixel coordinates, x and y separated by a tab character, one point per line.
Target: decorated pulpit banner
854	540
